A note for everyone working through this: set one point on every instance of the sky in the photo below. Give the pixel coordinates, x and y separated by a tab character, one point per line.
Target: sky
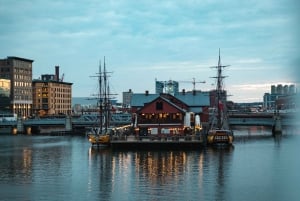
147	40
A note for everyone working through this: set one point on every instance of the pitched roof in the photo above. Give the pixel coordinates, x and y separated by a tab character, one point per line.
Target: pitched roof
173	104
194	99
139	100
165	100
190	99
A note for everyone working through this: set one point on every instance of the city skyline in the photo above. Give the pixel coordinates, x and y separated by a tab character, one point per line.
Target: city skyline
147	40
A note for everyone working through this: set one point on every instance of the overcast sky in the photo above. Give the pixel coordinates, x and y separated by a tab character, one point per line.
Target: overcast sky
144	40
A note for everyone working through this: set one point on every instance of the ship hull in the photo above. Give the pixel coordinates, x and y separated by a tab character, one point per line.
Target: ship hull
99	140
215	137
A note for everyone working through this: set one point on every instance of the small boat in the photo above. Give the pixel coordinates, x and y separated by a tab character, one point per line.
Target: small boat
219	132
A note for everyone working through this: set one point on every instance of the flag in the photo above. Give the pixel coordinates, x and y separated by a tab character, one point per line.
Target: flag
221	106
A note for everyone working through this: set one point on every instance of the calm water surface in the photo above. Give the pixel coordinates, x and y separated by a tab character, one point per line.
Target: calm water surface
258	167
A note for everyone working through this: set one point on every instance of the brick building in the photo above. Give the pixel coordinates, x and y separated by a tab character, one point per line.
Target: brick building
51	95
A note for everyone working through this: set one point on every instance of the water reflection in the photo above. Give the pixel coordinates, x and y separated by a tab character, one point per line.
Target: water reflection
160	167
252	131
191	175
64	168
27	163
100	172
217	163
15	164
277	140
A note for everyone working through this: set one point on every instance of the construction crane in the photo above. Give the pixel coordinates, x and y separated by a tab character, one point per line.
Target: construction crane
62	77
193	82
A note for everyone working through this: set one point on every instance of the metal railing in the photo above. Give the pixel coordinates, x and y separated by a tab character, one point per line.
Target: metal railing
174	138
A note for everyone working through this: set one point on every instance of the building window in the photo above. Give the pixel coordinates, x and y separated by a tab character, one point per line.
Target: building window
159	105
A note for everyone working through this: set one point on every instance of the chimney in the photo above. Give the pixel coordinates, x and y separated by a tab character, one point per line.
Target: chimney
57	73
183	91
146	92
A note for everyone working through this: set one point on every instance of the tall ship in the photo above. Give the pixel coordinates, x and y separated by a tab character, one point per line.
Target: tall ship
219	132
99	134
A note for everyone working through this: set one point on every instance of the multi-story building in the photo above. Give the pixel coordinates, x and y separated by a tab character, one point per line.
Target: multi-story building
19	72
4	96
51	95
169	87
274	100
127	98
159	87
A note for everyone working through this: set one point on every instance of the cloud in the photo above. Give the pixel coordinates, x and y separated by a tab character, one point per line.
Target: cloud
266	87
249	61
249	87
148	39
251	92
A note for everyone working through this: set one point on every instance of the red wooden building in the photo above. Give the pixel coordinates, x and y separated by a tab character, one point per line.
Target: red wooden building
165	115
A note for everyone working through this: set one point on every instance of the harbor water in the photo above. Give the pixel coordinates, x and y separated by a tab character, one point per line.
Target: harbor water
257	167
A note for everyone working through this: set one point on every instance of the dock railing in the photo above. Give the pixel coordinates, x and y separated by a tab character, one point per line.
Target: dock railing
155	138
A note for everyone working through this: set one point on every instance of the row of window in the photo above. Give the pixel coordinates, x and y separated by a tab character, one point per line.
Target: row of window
61	96
60	89
5	70
5	76
170	116
23	77
23	65
55	107
22	97
22	84
58	101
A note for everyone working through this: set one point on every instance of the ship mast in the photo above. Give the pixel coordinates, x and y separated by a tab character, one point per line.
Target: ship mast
106	98
100	97
103	97
220	93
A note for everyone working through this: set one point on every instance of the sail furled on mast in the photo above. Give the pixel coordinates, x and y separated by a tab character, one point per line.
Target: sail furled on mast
219	132
221	97
102	96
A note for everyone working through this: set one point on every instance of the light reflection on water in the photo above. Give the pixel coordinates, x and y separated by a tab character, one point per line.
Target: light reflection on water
164	175
67	168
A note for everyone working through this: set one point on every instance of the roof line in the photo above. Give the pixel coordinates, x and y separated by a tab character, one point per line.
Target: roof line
20	58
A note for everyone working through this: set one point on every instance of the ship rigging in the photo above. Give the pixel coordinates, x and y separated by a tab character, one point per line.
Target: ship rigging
100	134
219	132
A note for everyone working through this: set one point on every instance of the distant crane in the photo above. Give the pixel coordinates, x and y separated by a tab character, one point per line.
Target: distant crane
62	77
194	82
